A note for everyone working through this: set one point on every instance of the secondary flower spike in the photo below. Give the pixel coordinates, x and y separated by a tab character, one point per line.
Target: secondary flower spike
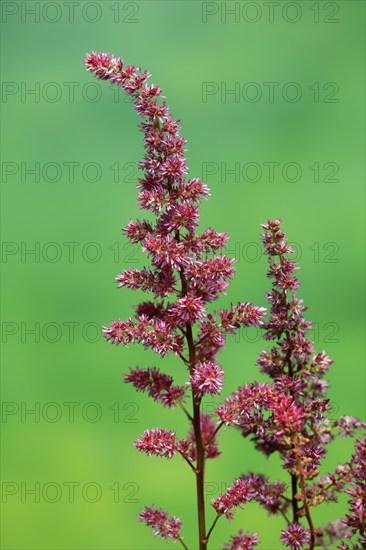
290	415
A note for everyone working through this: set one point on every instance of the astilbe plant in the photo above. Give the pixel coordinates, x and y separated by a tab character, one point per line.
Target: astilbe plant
189	271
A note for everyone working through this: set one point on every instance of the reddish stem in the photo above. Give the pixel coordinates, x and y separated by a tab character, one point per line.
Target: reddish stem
200	449
306	506
294	477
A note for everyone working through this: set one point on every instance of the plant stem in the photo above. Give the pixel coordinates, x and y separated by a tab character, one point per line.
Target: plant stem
306	506
284	516
212	527
200	449
182	543
189	463
294	477
294	502
183	358
214	433
200	476
202	339
184	410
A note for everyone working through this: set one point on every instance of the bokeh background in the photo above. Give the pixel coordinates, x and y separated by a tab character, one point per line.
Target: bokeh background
71	478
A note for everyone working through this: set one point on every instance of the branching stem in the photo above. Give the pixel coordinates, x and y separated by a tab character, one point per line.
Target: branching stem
182	543
306	506
189	462
212	527
214	433
185	410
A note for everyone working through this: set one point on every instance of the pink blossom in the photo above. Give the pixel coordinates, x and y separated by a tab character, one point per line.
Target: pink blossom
180	216
270	495
165	251
161	523
188	309
238	493
244	314
295	536
207	377
242	542
218	268
157	442
158	385
330	533
187	446
153	199
161	337
193	189
347	425
208	241
137	231
154	333
120	332
161	284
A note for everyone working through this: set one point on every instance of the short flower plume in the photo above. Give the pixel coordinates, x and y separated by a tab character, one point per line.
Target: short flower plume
159	386
163	525
237	494
157	442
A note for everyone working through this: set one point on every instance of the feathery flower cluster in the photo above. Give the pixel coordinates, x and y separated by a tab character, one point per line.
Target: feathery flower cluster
187	447
329	534
252	487
242	542
157	385
247	409
163	525
164	443
242	314
207	378
295	536
153	333
157	442
238	493
269	495
326	487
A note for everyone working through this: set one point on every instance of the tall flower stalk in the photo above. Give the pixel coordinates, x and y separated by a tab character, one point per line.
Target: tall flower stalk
187	273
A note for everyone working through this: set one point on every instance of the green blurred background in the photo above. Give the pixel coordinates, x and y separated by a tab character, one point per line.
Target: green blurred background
75	451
